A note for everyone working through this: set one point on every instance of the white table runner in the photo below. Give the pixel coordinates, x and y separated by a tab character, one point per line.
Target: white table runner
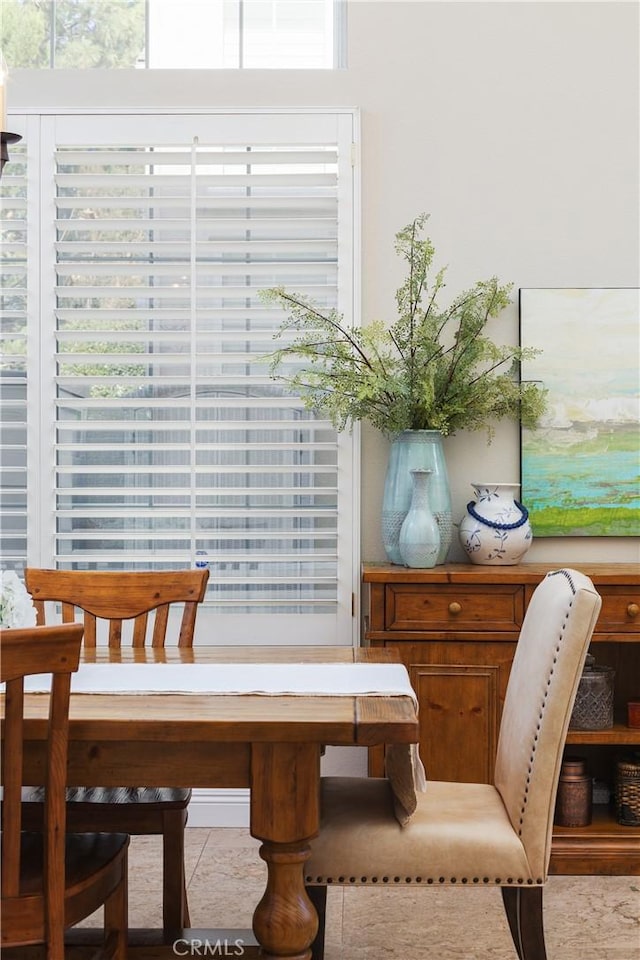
268	679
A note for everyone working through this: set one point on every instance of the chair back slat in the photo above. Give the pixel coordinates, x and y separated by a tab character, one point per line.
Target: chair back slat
90	629
115	633
140	629
187	626
124	600
160	626
40	649
69	613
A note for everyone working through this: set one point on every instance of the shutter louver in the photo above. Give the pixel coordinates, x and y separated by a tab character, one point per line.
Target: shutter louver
171	437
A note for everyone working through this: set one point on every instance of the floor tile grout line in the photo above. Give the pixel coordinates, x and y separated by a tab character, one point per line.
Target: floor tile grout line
200	856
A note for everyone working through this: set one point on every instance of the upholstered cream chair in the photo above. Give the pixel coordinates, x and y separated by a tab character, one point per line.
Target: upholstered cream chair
472	834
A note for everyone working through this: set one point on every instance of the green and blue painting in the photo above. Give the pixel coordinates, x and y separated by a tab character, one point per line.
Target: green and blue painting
581	465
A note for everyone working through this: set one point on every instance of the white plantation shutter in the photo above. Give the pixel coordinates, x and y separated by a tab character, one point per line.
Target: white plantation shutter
14	301
172	445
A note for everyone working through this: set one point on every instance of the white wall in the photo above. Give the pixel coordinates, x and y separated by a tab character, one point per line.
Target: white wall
514	124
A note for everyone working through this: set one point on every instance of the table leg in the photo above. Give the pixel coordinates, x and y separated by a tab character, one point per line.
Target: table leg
285	781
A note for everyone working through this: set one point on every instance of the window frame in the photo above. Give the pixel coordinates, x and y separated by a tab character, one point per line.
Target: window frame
46	128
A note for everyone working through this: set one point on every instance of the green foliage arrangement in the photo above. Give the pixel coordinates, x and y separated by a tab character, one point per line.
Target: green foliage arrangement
432	369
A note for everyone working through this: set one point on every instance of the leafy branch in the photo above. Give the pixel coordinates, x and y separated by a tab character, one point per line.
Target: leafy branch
429	370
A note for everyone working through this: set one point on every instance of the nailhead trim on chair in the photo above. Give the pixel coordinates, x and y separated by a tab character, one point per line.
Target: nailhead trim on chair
355	880
566	575
534	745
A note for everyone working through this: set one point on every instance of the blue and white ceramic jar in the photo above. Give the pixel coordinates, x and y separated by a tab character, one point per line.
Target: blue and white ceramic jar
495	528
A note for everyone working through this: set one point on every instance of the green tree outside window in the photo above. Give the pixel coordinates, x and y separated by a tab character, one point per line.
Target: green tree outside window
72	33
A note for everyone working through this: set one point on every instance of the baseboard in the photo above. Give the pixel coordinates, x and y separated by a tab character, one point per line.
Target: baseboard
219	808
230	808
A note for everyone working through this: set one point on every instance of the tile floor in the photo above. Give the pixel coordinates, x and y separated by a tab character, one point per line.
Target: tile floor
587	918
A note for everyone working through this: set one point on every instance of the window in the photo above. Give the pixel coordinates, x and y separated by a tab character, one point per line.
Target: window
171	444
205	34
13	361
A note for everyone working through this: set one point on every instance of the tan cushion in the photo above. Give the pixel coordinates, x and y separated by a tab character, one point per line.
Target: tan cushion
459	833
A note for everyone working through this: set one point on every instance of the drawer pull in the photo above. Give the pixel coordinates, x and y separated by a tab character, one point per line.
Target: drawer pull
633	609
456	607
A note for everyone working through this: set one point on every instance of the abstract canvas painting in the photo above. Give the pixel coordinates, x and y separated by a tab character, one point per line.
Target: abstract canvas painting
581	465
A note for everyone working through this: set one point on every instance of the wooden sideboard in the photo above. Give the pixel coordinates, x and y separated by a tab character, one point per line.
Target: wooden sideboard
456	628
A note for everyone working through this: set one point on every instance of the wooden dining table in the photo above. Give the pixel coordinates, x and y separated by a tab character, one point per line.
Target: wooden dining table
270	744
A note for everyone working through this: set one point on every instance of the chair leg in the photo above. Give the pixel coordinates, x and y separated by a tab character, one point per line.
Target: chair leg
116	917
524	909
175	910
318	897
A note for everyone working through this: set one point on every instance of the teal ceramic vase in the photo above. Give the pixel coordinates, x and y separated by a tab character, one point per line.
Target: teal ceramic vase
410	450
419	540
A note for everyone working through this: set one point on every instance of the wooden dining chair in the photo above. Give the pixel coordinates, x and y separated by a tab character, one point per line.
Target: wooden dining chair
137	603
475	834
51	881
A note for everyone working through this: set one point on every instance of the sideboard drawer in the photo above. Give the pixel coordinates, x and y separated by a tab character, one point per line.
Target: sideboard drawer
620	609
427	607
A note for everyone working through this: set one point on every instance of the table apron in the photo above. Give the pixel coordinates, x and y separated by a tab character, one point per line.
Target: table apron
111	763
